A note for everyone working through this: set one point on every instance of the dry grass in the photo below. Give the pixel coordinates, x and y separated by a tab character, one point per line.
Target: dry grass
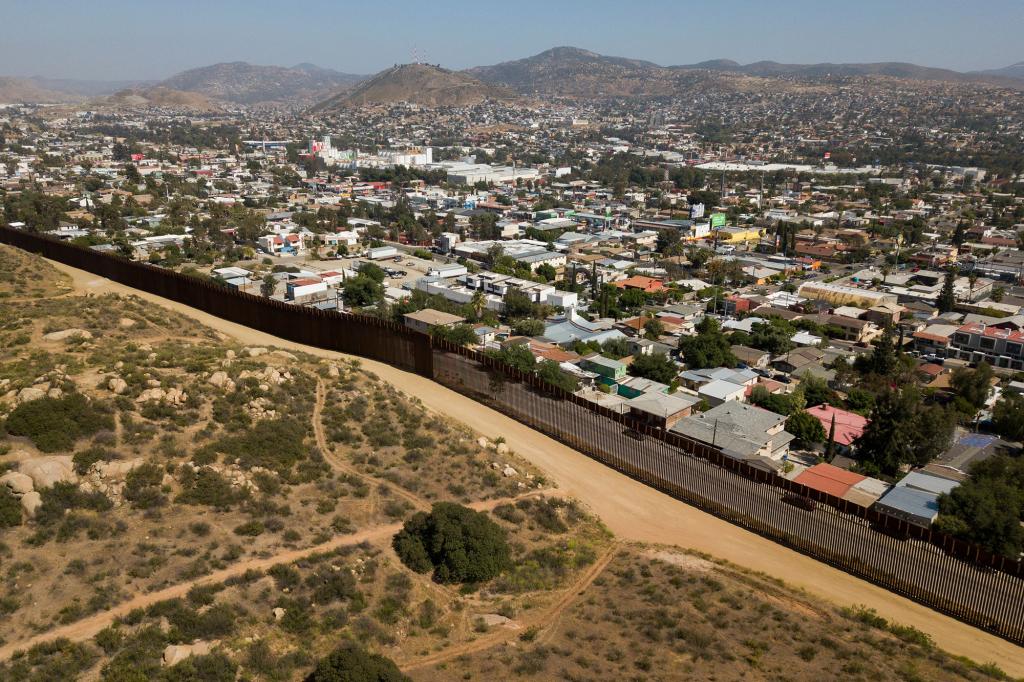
662	614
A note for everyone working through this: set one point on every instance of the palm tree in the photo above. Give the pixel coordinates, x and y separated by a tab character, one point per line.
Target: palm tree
479	302
972	279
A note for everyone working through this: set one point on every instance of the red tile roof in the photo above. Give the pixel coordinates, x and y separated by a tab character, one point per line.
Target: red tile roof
992	332
648	284
849	425
829	479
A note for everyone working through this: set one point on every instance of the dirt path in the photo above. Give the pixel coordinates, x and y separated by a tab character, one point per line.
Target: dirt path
631	510
552	617
88	627
546	619
339	463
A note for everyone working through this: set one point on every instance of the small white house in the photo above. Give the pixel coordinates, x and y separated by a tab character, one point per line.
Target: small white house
299	289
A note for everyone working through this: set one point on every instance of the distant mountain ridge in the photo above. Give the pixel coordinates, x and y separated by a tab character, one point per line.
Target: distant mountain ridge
578	72
574	71
422	84
892	69
1011	71
244	83
564	71
89	88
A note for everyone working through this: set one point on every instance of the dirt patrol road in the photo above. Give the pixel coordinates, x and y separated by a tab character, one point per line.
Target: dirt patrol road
631	510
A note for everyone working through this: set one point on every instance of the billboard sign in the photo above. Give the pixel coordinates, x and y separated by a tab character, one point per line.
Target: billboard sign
717	220
696	211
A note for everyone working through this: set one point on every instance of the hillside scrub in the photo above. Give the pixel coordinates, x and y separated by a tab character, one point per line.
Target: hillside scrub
54	424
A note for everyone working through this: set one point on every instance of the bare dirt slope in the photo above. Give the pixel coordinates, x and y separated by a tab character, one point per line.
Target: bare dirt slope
636	512
421	84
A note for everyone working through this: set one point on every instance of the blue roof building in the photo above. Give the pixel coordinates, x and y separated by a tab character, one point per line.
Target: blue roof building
915	499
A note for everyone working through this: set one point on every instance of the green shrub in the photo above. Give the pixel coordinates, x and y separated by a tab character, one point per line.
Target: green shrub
351	663
207	487
109	639
329	586
271	444
203	595
54	424
138	659
60	659
187	624
461	545
285	576
86	458
62	496
215	667
250	529
142	486
296	619
10	509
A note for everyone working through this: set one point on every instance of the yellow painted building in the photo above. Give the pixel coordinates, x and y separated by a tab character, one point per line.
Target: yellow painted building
740	234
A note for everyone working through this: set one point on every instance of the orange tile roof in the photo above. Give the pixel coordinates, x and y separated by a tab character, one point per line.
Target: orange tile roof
829	479
648	284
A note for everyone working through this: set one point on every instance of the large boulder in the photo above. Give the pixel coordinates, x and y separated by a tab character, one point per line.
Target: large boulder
176	653
17	482
117	468
30	393
151	394
45	471
67	334
176	396
30	502
117	385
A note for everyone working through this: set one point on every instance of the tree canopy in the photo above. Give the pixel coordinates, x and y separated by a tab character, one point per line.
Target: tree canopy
459	334
460	545
709	348
947	297
1008	417
351	663
903	430
656	367
988	507
806	427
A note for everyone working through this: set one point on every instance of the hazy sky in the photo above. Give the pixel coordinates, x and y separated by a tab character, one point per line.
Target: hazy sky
129	39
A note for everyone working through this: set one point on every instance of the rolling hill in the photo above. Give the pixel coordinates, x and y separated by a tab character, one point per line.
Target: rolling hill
422	84
24	90
244	83
158	96
1012	71
769	69
570	71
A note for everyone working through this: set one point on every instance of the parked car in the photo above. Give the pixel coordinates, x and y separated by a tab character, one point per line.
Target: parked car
397	259
800	501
